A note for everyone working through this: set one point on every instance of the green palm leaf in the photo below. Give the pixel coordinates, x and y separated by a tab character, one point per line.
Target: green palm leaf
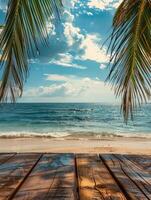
25	26
131	54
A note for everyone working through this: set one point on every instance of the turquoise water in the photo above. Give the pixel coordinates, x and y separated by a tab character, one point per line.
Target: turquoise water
71	119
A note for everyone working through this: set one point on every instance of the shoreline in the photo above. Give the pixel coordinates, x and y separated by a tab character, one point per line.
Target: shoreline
76	135
119	145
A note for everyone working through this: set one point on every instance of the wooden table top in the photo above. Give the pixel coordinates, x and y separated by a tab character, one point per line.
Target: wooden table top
42	176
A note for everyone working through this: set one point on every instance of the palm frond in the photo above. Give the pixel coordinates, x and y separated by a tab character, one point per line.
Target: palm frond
25	26
130	48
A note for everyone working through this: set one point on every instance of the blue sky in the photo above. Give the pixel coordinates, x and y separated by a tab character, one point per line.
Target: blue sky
73	67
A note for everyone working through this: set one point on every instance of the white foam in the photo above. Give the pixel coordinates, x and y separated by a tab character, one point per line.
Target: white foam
132	135
86	135
34	134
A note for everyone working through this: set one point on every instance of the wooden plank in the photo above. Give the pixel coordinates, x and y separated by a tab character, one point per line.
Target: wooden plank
43	194
141	177
95	181
5	157
14	171
53	177
125	177
143	161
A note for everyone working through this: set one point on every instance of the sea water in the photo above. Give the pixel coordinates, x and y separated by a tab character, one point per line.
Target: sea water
72	120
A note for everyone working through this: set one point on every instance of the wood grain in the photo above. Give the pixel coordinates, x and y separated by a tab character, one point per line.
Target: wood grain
124	175
75	177
5	157
53	177
95	181
139	176
13	172
142	161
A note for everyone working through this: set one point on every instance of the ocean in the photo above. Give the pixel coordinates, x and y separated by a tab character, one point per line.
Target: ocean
59	120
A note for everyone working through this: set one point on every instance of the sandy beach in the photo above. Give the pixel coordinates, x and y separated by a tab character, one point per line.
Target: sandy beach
81	145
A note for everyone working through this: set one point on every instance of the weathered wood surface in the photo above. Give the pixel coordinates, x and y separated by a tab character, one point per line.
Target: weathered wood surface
125	173
14	171
5	157
95	180
143	162
75	177
53	177
139	176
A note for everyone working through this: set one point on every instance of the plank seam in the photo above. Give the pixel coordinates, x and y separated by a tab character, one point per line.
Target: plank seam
8	159
24	179
136	163
132	179
116	180
76	178
95	187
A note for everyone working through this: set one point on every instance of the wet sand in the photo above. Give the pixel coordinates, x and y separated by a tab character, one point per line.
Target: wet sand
74	145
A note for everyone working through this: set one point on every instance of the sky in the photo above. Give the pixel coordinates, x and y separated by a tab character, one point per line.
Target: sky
74	66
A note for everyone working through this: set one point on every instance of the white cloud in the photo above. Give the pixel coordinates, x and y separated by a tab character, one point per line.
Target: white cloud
57	77
86	45
102	66
116	4
42	91
68	16
69	4
104	4
72	33
50	28
66	60
72	88
92	50
3	6
69	39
